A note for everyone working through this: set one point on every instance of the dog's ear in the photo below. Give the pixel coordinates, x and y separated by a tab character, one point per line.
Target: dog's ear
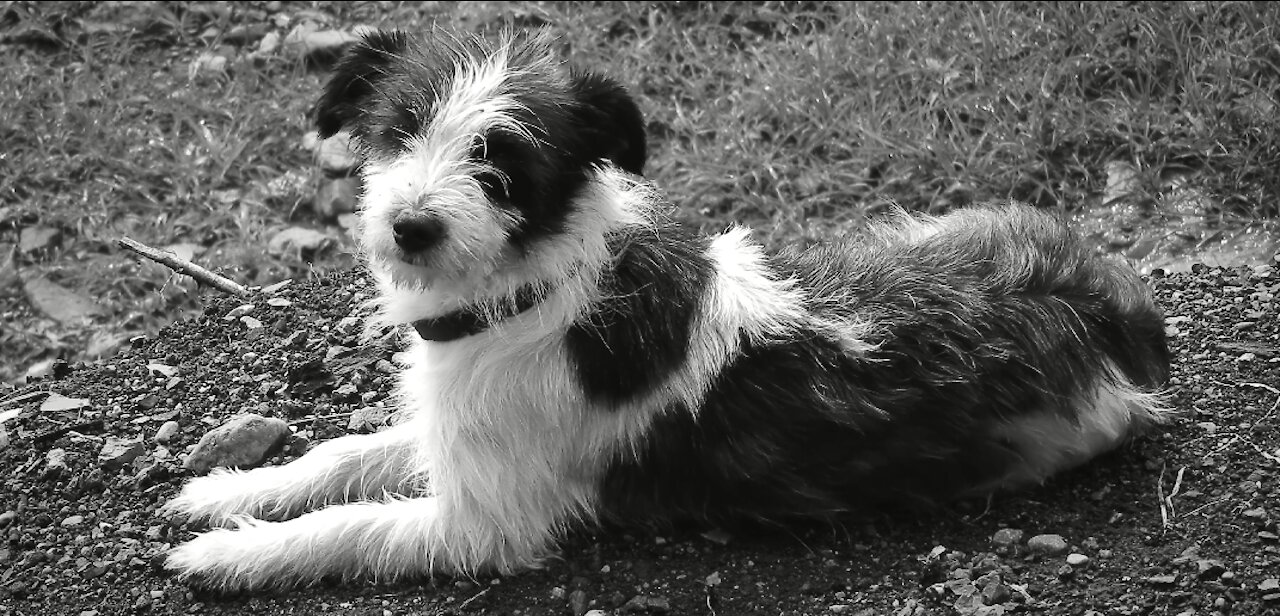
354	78
615	122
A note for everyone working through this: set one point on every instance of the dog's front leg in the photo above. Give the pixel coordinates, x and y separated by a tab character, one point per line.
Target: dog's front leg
386	541
352	467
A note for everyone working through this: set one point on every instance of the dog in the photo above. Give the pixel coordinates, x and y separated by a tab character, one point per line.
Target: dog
581	358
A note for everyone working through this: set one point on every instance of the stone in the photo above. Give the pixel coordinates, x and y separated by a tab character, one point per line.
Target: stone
167	431
298	241
1077	560
38	238
578	603
58	302
306	40
207	65
55	462
646	603
369	419
335	198
1047	544
1006	537
244	441
1162	580
117	452
335	156
1269	585
1208	569
8	518
74	520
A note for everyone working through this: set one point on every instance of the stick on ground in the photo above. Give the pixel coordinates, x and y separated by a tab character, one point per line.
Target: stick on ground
183	266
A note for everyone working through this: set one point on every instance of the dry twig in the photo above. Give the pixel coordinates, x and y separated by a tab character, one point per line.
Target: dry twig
183	266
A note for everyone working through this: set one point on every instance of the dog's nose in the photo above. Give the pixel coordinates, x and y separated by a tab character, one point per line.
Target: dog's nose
417	232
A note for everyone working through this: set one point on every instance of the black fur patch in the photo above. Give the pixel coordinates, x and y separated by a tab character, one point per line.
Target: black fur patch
387	88
1002	314
639	332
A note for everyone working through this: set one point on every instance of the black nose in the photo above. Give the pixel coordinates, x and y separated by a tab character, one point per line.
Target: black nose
417	232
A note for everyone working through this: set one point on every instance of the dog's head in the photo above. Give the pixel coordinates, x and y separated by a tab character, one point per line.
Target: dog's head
473	153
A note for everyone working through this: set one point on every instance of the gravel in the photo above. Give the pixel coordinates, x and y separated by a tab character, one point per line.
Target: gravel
86	537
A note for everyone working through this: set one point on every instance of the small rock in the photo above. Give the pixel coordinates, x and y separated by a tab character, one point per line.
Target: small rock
1269	585
207	65
718	536
1257	513
167	431
7	518
1077	560
369	418
269	44
1047	544
37	238
1006	537
305	41
334	155
238	312
1162	580
117	452
596	613
578	603
647	603
55	462
298	241
336	197
1207	569
74	520
58	302
245	441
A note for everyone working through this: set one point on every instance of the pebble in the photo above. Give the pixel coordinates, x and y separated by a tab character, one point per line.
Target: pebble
1162	580
245	441
1077	560
578	602
298	241
36	238
117	452
1006	537
1257	513
7	518
647	603
55	462
1207	569
167	431
74	520
1269	585
334	155
1047	544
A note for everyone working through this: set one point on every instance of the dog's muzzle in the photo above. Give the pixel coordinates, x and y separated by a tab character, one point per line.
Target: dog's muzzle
417	233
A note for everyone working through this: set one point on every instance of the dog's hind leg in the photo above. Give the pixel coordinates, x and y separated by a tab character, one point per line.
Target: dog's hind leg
349	468
395	539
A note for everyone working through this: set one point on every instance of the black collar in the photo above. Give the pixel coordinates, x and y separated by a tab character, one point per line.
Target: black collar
468	321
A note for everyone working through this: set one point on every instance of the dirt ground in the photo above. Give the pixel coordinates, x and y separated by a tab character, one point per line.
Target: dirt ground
1183	522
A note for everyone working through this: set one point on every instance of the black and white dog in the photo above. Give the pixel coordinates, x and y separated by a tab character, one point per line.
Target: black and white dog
580	357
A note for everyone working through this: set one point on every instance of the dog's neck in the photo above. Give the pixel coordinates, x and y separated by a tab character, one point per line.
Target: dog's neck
471	320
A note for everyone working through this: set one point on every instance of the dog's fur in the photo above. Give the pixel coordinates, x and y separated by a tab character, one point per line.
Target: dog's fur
583	358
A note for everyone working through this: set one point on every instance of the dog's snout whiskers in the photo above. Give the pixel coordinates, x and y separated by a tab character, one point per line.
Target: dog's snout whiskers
416	233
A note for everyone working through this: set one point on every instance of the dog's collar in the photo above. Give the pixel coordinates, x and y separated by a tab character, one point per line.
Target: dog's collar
469	321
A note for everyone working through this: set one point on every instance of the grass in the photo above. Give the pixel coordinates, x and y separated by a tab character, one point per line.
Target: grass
799	118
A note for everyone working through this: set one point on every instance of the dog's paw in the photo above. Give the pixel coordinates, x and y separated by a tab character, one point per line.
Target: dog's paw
214	499
244	558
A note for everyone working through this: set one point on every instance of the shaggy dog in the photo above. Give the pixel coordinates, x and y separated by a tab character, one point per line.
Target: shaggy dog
580	357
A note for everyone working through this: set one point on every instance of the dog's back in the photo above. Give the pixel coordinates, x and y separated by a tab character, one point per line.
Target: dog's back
942	357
